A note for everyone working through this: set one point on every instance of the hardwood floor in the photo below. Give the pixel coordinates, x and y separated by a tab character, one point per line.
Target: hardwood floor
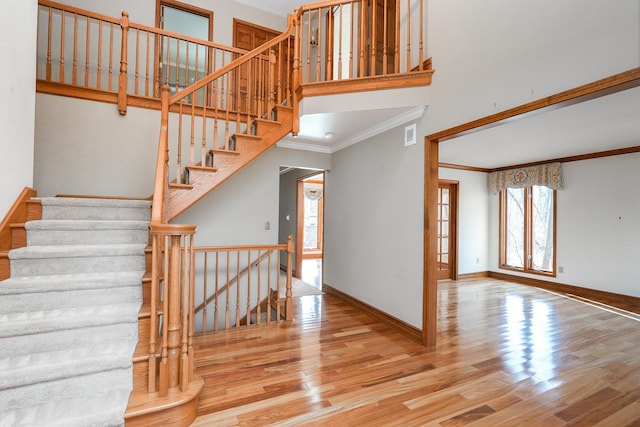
507	354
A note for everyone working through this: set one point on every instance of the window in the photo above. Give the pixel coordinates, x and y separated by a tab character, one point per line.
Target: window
528	229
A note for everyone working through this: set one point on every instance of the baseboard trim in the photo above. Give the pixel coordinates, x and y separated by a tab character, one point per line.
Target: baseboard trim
400	326
625	302
476	275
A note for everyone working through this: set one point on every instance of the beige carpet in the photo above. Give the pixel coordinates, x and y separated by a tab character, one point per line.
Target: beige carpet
298	288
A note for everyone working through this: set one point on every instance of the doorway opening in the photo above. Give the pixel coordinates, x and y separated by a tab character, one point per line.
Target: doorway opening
310	209
447	258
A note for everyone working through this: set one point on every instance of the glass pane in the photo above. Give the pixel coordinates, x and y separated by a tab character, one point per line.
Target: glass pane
515	227
310	223
445	212
542	228
445	196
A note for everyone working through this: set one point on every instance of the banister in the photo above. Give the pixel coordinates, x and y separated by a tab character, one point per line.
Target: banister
161	180
79	11
234	64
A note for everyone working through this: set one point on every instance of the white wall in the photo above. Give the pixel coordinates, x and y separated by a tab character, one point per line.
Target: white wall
17	99
236	212
598	222
86	147
373	224
473	219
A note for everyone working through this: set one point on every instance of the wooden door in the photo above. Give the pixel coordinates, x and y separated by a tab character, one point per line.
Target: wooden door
447	229
380	36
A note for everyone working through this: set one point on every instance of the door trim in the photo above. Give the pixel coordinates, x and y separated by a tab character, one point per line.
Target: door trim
453	228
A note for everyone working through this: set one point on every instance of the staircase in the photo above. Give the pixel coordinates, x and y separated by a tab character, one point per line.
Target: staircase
69	322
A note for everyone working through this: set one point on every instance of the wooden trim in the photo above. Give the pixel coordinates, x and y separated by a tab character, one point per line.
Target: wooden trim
626	302
362	84
612	84
464	167
17	213
429	266
400	326
299	226
577	158
62	89
476	275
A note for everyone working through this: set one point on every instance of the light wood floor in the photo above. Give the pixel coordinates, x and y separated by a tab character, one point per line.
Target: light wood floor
507	354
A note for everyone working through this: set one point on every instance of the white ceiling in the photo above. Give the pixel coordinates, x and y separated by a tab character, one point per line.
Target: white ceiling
601	124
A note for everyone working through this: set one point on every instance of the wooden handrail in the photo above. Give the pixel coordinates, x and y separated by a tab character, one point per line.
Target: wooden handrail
79	11
158	211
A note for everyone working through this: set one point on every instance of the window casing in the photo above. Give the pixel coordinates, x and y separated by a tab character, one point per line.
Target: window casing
528	230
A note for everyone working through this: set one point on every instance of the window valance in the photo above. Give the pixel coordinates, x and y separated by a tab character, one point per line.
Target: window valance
548	175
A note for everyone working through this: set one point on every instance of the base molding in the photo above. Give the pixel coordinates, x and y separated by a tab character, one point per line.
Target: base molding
393	322
624	302
476	275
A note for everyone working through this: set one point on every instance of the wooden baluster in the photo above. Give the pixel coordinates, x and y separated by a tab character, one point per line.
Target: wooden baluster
278	93
190	305
317	36
226	121
258	308
385	50
99	70
185	308
167	42
269	285
408	36
49	38
397	46
215	114
163	378
173	324
352	26
308	79
192	137
87	53
74	67
110	78
373	46
289	294
340	45
227	316
177	66
157	62
249	100
153	327
277	293
421	54
179	148
236	99
329	70
248	287
203	153
271	91
363	39
295	101
61	65
146	70
204	291
215	301
122	81
137	60
238	289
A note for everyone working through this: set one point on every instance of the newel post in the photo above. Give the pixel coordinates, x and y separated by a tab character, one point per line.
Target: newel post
122	81
288	310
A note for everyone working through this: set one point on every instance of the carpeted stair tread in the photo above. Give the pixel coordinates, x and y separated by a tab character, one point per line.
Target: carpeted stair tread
74	387
76	251
86	232
95	410
70	282
27	323
69	298
28	369
62	339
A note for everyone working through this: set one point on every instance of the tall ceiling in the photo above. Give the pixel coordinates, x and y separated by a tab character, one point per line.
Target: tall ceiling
278	7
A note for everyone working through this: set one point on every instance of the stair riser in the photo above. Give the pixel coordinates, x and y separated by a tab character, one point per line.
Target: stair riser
18	237
65	339
59	300
95	213
44	266
86	237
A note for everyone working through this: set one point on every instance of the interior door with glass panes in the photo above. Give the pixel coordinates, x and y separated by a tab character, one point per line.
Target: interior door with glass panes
447	214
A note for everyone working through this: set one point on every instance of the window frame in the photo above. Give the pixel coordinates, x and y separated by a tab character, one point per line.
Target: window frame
528	235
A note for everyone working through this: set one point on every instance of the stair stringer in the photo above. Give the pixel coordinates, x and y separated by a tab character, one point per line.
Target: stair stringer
248	148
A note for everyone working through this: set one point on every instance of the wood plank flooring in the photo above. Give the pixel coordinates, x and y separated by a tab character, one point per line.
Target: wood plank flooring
507	355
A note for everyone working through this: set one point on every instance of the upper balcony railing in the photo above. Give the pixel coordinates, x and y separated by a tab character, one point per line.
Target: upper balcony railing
346	41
